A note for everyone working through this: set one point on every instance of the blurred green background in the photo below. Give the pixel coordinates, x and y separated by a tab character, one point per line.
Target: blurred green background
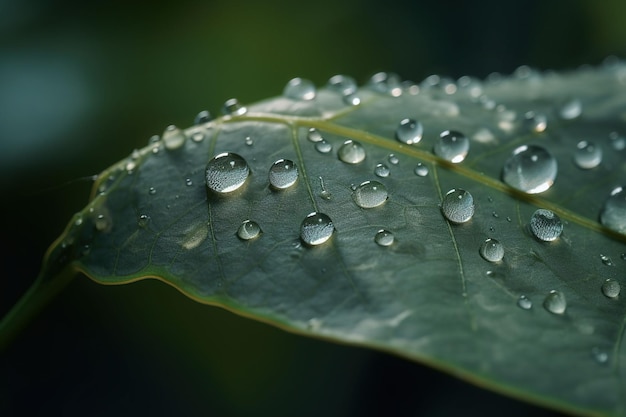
84	83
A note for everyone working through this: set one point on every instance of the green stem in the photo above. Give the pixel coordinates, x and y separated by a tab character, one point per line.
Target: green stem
40	293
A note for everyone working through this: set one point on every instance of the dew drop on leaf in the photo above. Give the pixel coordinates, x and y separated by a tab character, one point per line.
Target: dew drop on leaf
102	223
283	174
143	220
352	99
611	288
384	238
188	182
351	152
393	159
152	191
323	146
546	225
606	260
203	117
555	302
587	155
492	250
173	138
370	194
342	84
386	83
197	137
571	109
618	142
409	131
314	135
300	89
613	213
421	170
248	230
524	302
452	146
599	355
226	172
232	107
536	122
248	141
381	170
458	205
316	228
530	169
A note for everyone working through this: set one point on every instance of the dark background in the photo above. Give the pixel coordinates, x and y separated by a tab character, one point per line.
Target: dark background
83	84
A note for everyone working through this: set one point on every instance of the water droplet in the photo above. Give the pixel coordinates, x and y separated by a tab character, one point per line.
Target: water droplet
299	89
226	172
530	168
152	191
323	146
316	228
606	260
156	149
490	274
623	256
188	182
248	141
571	109
618	142
325	194
452	146
248	230
314	135
173	138
495	214
409	131
587	155
102	223
555	302
232	107
393	159
351	152
524	302
536	122
386	83
283	174
611	288
458	205
352	99
370	194
154	139
143	220
613	213
197	137
546	225
342	84
421	170
384	238
203	117
492	250
599	355
382	170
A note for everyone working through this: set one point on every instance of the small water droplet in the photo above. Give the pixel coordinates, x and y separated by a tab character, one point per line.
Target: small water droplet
325	194
143	220
618	142
530	168
606	260
458	205
546	225
152	191
342	84
393	159
299	89
571	109
314	135
370	194
316	228
555	302
283	174
154	139
197	137
409	131
386	83
536	122
452	146
203	117
421	170
226	172
495	214
384	238
351	152
323	146
232	107
524	302
173	138
623	256
102	223
188	182
599	355
352	99
490	274
613	213
249	230
248	141
587	155
611	288
156	149
492	250
382	170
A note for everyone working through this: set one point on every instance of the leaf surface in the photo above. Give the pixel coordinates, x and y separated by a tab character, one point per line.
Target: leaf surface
430	296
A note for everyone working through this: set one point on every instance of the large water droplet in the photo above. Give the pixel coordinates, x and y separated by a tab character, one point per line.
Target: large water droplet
387	83
613	213
555	302
381	170
351	152
232	107
283	174
384	238
409	131
248	230
458	205
203	117
587	155
421	170
370	194
226	172
611	288
173	138
524	302
343	84
571	109
530	168
323	146
316	228
546	225
300	89
492	250
452	146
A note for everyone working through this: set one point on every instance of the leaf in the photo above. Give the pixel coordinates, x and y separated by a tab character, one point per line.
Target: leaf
429	296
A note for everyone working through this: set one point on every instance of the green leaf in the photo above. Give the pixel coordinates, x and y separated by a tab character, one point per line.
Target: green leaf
429	296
